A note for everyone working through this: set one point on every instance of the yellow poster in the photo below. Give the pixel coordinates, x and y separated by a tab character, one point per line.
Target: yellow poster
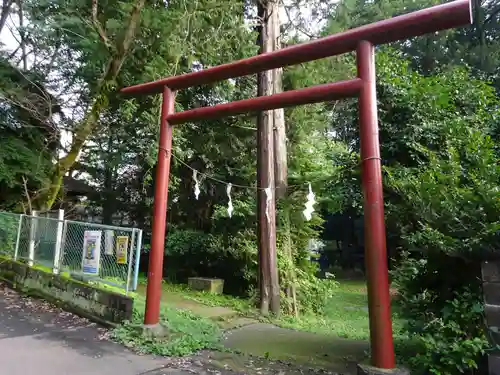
121	249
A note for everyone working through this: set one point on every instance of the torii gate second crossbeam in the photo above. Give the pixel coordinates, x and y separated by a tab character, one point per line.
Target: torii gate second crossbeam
362	40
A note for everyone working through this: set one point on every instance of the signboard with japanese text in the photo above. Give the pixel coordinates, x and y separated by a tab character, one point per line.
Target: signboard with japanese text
121	249
91	251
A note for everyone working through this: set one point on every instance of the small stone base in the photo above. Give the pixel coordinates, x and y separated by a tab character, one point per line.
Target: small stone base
370	370
154	331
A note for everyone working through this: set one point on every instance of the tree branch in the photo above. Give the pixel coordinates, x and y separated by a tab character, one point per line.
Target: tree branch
22	35
494	13
123	46
28	198
5	12
98	26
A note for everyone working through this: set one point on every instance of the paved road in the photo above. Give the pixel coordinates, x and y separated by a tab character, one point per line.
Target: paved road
37	338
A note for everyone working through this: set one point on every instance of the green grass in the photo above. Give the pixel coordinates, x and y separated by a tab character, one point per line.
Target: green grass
49	270
208	299
345	315
66	275
186	332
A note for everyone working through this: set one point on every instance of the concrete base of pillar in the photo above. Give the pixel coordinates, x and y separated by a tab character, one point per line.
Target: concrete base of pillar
494	364
370	370
153	331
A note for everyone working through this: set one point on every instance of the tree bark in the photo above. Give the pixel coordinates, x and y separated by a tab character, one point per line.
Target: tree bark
24	58
281	163
280	152
268	267
99	103
4	15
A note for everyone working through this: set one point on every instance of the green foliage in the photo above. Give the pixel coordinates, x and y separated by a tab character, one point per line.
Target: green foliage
234	259
313	293
444	319
451	206
9	224
441	166
186	333
28	137
194	253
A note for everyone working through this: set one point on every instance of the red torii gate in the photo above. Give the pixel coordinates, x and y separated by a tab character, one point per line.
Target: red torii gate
362	40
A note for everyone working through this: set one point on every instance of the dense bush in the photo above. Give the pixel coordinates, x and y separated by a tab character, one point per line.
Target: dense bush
443	311
191	253
9	224
451	224
234	259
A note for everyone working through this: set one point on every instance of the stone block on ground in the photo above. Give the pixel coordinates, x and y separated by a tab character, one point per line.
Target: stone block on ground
490	271
494	363
491	292
206	284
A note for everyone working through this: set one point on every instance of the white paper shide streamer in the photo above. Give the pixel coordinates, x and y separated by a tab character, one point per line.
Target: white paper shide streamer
229	200
196	184
309	204
269	197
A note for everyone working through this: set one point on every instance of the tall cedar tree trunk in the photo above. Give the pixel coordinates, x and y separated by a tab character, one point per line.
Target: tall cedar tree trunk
281	168
100	100
268	264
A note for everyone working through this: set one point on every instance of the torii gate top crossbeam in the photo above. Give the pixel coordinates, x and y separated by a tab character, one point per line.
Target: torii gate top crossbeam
440	17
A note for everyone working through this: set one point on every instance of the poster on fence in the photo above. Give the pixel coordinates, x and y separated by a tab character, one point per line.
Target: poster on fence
91	251
121	249
109	237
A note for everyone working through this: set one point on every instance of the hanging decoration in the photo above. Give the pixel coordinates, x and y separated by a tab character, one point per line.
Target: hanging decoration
196	184
269	197
268	191
309	204
229	201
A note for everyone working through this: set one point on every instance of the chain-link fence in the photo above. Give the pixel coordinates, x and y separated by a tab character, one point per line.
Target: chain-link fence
84	251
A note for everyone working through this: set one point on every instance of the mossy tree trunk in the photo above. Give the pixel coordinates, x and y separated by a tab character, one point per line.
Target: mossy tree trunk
100	102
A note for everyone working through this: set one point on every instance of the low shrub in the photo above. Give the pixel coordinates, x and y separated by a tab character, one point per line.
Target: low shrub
192	253
186	333
443	318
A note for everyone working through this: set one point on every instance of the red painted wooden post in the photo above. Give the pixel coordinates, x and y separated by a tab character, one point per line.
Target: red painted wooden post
155	270
379	301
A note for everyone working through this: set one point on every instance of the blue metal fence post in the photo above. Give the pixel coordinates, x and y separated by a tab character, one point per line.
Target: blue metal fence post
137	260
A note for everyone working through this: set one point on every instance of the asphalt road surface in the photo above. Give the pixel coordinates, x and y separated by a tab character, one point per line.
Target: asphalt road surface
38	338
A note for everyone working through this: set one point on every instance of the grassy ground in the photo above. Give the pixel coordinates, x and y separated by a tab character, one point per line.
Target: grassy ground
338	337
185	332
346	314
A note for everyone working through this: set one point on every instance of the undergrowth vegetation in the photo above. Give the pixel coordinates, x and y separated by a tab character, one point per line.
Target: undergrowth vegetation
185	332
192	253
